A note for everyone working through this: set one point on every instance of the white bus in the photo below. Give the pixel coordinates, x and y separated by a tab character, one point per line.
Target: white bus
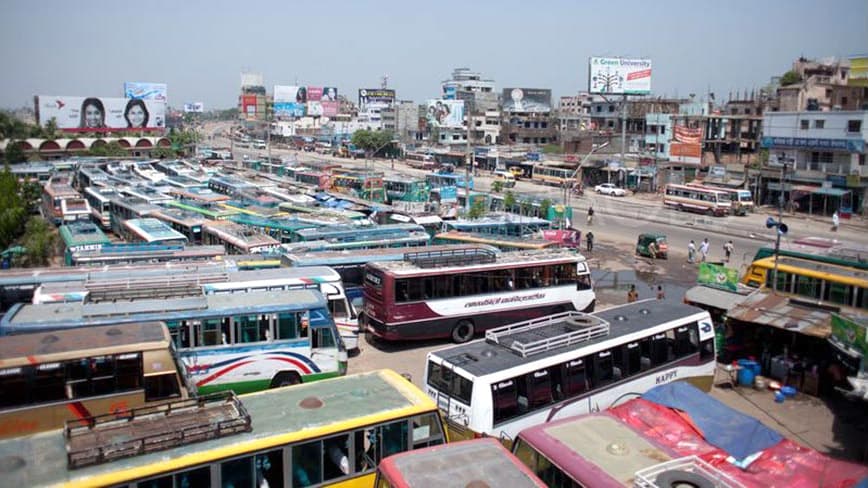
99	199
326	280
456	293
695	198
568	364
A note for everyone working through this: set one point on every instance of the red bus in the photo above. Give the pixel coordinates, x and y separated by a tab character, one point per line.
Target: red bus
480	462
446	293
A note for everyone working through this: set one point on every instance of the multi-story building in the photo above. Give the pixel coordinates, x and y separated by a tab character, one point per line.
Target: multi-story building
822	86
406	121
823	154
479	94
527	117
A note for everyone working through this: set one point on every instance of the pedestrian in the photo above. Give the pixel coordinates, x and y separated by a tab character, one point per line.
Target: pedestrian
652	249
691	252
727	250
589	237
632	295
835	221
660	294
703	250
590	215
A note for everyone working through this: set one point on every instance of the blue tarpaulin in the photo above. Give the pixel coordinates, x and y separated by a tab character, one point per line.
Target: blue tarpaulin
736	433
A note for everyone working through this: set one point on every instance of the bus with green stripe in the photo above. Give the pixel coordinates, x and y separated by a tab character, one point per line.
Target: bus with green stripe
81	236
242	342
206	209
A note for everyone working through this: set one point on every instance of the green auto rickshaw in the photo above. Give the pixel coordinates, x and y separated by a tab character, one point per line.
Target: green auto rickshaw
652	245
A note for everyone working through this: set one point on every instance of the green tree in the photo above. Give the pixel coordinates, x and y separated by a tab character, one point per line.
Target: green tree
31	196
13	153
526	206
544	207
497	186
373	142
164	153
509	201
12	212
552	149
13	128
50	129
40	239
112	149
790	78
477	209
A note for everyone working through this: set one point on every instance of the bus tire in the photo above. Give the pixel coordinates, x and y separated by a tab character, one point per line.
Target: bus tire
678	478
463	331
285	378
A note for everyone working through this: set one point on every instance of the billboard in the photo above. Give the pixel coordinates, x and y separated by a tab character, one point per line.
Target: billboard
686	145
445	113
290	101
330	108
717	276
449	92
145	91
858	71
251	79
196	107
248	106
376	97
527	100
314	109
619	76
329	94
100	114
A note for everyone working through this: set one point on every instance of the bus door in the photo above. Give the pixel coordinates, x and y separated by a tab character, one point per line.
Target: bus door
326	346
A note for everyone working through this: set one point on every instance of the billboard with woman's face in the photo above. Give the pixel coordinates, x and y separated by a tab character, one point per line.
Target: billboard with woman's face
101	114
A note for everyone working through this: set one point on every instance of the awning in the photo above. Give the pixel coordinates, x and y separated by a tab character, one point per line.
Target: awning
805	188
770	309
714	297
835	192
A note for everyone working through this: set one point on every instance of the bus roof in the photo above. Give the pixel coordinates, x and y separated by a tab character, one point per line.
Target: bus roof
789	263
503	259
299	273
481	357
459	464
361	256
277	417
25	349
82	233
498	240
29	318
152	229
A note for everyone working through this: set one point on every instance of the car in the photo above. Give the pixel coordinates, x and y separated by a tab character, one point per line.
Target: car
610	189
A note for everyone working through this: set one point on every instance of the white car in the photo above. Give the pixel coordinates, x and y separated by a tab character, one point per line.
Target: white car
610	189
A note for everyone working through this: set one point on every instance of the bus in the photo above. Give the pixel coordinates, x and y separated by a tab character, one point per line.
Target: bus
812	280
48	378
236	239
325	280
246	208
55	192
502	242
406	189
499	224
359	184
421	161
200	195
80	236
479	462
123	208
821	249
699	199
566	364
187	222
448	180
242	342
138	253
331	433
147	193
99	199
281	229
230	185
151	231
209	210
446	293
556	175
350	233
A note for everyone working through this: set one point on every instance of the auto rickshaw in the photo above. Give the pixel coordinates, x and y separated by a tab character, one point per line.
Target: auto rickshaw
652	245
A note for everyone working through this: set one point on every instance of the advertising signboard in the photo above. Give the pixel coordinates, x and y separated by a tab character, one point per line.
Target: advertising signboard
445	113
314	109
101	114
376	97
290	101
537	100
195	107
314	93
718	276
145	91
330	108
329	94
248	106
619	76
858	71
449	92
686	145
849	334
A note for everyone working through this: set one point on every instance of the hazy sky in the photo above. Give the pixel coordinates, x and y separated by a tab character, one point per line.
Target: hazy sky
199	48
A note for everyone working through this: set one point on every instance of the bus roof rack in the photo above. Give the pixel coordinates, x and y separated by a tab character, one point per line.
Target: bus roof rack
546	333
451	257
108	437
649	477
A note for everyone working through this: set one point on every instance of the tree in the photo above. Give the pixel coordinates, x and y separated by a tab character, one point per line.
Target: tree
509	201
526	206
477	208
790	78
13	153
552	149
544	207
497	186
50	130
40	240
112	149
164	153
31	196
371	141
12	212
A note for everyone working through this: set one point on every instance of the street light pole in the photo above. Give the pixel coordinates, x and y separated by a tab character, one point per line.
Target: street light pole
469	163
784	160
579	168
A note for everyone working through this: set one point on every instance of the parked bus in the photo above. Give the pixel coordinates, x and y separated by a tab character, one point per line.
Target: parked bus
281	229
138	253
821	249
406	189
358	184
151	231
81	236
123	208
504	243
187	222
502	224
812	280
242	342
48	378
448	180
236	239
479	462
531	372
99	199
455	294
331	433
421	161
704	200
56	191
556	175
229	185
347	233
208	210
325	280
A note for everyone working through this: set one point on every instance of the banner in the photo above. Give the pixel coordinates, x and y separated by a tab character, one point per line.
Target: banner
145	91
619	76
314	93
537	100
314	109
686	134
376	97
290	101
445	113
330	108
850	334
197	107
718	276
449	93
329	94
248	106
100	114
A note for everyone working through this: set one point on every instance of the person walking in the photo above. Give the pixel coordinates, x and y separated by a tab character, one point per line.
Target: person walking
691	252
660	293
632	295
727	250
590	215
835	221
703	250
589	237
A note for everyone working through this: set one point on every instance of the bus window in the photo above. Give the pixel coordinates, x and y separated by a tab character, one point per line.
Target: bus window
505	400
682	343
195	477
575	378
603	369
336	460
539	389
102	374
426	431
287	326
247	329
48	384
632	359
161	387
129	371
552	476
338	308
583	282
307	464
323	338
210	333
525	453
807	286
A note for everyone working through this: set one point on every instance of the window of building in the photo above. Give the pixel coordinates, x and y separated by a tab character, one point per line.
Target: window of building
599	108
611	124
805	124
611	108
854	125
819	124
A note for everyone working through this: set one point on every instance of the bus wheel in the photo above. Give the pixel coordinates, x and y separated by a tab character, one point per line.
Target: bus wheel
463	331
285	378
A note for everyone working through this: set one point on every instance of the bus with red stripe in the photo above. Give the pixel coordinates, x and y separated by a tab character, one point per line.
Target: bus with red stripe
242	342
457	293
49	378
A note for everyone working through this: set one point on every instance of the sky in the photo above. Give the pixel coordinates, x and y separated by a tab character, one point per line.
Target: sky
199	48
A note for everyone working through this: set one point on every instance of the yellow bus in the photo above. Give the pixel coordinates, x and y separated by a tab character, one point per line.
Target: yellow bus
332	432
49	378
815	280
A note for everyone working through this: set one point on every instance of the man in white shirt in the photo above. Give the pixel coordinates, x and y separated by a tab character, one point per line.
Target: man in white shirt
703	249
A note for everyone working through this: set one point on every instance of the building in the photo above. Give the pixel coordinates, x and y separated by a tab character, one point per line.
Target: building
823	86
526	117
822	157
479	94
